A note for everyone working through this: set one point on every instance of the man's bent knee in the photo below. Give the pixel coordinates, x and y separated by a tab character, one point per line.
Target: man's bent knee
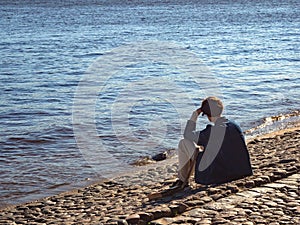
186	146
185	143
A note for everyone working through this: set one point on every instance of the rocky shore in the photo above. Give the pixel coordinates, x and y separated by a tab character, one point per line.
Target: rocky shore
270	196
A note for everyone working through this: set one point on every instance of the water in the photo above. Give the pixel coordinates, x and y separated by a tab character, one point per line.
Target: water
251	49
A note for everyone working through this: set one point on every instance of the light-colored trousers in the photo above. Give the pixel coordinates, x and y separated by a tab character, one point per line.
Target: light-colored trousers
187	155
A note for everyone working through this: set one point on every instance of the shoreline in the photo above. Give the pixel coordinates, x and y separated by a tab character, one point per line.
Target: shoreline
147	178
144	162
152	164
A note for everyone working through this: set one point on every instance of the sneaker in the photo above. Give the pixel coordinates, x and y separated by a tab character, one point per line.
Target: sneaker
179	184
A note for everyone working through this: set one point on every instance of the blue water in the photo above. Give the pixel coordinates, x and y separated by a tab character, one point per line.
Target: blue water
250	48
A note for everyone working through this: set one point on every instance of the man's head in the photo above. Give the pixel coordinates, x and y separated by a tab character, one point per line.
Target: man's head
212	107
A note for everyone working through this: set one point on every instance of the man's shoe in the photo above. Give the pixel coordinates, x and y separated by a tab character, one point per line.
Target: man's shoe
179	184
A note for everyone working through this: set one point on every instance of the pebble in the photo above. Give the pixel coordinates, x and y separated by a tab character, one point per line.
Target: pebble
270	196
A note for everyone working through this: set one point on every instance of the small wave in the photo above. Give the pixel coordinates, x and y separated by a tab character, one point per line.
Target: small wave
274	123
58	185
32	141
45	136
95	54
11	114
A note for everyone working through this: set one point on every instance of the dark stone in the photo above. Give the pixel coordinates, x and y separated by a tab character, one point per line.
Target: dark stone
212	191
274	177
265	179
157	213
250	184
291	169
287	160
258	181
216	197
122	222
160	156
133	219
194	203
178	208
233	188
281	173
146	216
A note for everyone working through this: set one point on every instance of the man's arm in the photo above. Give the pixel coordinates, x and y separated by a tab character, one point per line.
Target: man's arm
190	132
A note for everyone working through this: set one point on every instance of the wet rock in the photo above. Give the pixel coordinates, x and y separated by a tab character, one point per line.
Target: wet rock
160	156
163	155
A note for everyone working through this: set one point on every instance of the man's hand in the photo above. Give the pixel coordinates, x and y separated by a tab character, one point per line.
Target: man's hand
195	115
199	111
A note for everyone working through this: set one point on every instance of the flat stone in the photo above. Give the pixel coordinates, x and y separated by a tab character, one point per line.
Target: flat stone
292	204
249	194
206	199
163	221
212	191
122	222
275	185
197	212
204	222
248	223
178	208
263	190
195	203
146	216
250	184
133	219
219	220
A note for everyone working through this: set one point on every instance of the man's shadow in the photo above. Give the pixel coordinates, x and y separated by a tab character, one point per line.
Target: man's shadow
177	195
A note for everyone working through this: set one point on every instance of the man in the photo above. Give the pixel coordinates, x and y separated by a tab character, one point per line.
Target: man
224	156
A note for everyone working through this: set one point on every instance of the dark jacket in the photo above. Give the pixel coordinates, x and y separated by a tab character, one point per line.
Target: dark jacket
225	157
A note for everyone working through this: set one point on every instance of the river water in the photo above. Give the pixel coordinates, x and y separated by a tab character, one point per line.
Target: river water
53	136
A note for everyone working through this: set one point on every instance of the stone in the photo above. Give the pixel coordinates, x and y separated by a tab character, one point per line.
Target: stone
194	203
212	191
133	219
215	197
178	208
195	213
233	188
146	216
249	194
250	184
204	222
160	156
219	220
258	181
206	199
122	222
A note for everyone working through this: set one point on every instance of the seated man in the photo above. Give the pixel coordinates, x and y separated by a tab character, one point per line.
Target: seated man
224	157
